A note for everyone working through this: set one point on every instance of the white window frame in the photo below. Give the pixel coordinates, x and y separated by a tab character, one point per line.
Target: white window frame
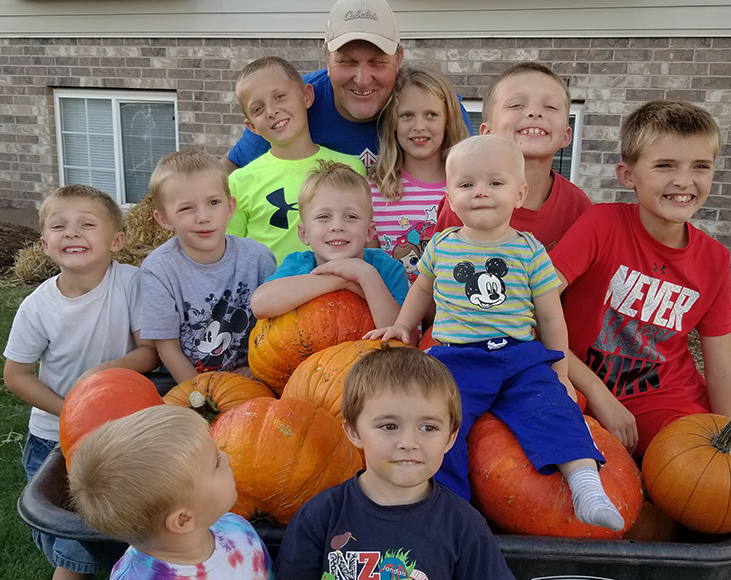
576	111
116	97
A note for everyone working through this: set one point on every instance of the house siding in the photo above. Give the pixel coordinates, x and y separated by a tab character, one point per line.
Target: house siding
611	76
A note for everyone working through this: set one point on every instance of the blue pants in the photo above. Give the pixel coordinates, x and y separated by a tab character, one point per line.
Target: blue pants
516	383
61	552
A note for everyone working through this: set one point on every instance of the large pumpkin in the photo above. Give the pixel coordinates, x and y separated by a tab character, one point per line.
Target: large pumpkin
652	525
283	452
278	345
509	491
687	472
212	393
320	378
102	397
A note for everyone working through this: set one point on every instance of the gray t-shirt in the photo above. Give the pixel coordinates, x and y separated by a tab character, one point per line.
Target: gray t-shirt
205	305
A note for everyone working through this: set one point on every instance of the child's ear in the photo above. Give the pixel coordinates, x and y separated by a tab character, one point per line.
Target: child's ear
44	244
522	194
352	434
231	207
302	234
566	138
484	129
625	176
309	95
250	126
118	242
371	231
180	521
162	220
452	439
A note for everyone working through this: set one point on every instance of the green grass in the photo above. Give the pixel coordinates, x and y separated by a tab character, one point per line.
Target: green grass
19	558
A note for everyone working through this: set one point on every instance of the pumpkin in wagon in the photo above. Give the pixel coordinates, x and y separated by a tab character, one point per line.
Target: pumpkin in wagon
687	472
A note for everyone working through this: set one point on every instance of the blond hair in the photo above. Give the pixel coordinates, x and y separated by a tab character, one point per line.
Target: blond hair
130	474
399	370
483	144
184	164
79	191
488	100
387	170
658	119
274	63
332	174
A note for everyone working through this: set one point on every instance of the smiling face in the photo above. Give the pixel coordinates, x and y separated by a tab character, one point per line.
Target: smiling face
215	487
404	437
672	179
337	223
276	107
484	186
421	123
197	209
362	78
79	235
530	108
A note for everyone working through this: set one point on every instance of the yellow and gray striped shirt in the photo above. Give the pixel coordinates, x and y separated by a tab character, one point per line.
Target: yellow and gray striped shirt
484	290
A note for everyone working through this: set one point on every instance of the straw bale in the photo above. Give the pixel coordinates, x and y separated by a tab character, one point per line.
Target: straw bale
141	227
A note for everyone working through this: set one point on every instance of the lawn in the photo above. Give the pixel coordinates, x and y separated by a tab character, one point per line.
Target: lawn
19	558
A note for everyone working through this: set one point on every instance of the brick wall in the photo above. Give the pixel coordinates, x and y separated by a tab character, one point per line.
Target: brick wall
611	76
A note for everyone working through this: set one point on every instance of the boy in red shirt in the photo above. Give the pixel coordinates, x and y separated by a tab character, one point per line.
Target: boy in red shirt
640	278
529	103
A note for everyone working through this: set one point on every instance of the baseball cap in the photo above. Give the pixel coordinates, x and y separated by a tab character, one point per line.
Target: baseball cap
369	20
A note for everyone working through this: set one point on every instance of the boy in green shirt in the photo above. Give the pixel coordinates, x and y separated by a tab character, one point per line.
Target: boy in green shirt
274	100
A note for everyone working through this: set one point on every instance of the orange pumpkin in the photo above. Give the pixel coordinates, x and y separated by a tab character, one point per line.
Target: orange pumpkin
212	393
687	472
427	341
278	345
320	378
283	452
102	397
508	490
652	525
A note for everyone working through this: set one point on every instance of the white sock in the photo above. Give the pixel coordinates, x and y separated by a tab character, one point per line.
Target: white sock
591	504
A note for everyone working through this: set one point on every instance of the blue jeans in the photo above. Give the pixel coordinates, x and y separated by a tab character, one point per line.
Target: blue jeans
68	554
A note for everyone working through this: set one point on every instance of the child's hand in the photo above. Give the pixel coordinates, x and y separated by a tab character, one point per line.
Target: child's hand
352	269
397	331
95	369
615	418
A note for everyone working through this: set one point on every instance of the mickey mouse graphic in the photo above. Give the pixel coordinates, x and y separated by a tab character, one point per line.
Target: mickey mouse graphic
216	339
483	289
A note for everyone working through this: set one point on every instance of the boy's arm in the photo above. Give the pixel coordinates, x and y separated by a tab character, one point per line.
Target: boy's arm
553	334
603	405
21	380
143	358
281	295
717	365
383	306
174	360
418	302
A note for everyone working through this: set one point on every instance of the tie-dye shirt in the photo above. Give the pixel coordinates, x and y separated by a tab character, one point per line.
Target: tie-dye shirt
238	553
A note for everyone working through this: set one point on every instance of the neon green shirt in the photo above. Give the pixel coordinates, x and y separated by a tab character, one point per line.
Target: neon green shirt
266	193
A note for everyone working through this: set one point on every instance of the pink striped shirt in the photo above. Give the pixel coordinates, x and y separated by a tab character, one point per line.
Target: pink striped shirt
404	227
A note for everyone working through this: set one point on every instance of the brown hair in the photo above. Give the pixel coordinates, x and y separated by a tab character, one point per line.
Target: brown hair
130	474
333	174
185	163
662	119
275	63
114	213
521	68
399	370
387	170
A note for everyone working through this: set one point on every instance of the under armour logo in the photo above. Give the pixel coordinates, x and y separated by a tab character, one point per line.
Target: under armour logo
368	158
662	270
279	217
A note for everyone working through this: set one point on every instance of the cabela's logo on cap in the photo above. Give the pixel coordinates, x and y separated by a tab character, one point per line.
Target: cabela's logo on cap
360	14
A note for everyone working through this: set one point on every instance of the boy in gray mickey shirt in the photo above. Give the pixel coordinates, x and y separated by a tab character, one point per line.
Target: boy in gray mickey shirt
196	287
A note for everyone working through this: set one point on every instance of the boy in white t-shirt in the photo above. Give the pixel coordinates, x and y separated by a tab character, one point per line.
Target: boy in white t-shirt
85	319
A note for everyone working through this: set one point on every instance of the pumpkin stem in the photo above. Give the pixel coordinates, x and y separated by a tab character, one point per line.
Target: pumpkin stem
722	441
204	406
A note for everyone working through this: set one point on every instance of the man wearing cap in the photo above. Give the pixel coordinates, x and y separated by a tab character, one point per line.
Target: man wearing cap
363	55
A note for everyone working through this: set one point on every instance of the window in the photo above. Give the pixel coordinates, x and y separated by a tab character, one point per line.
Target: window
563	160
112	140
